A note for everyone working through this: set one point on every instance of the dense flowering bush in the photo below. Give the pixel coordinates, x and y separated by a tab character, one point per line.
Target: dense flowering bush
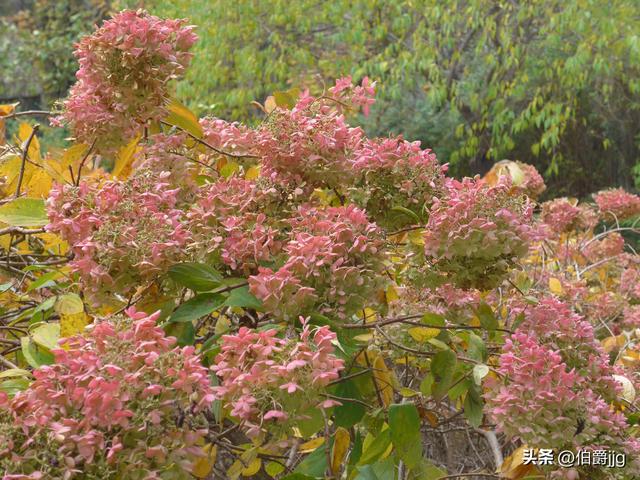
120	401
122	81
428	295
475	233
617	203
557	388
269	380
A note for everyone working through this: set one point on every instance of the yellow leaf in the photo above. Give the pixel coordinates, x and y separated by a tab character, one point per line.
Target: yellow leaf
39	184
422	334
311	445
73	318
4	111
252	173
555	286
184	118
341	442
122	167
391	294
203	465
513	466
384	378
24	132
416	237
252	468
270	104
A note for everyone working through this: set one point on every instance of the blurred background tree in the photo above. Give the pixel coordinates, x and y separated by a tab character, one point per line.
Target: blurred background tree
554	83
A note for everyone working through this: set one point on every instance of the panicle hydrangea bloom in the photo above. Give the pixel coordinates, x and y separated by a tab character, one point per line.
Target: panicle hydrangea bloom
229	220
610	246
164	153
396	173
121	233
333	263
272	383
617	204
122	81
564	215
554	377
533	184
476	232
108	408
231	137
311	144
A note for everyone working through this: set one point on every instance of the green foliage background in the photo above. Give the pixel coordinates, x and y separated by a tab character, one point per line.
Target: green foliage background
554	83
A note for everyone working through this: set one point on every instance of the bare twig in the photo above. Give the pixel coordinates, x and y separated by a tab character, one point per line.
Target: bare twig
26	112
84	159
24	158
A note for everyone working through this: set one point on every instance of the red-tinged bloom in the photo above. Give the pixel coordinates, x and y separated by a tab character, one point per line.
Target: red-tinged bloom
617	204
73	416
475	233
554	375
334	263
267	378
125	67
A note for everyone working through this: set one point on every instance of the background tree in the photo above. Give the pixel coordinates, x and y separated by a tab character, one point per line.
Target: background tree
552	83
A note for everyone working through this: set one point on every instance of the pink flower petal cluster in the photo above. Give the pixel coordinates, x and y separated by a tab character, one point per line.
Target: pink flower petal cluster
270	383
396	173
617	204
608	247
333	264
120	232
475	233
122	81
231	137
108	407
533	185
563	215
311	145
229	220
361	96
555	377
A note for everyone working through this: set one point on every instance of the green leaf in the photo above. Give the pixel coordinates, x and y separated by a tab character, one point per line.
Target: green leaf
479	372
47	335
34	355
404	423
15	372
184	332
14	385
197	307
196	276
241	297
443	367
486	316
313	466
45	280
406	212
24	212
375	450
349	413
476	349
5	287
433	319
384	470
473	406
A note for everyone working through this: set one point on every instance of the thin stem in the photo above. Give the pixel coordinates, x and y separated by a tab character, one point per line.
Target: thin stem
24	158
